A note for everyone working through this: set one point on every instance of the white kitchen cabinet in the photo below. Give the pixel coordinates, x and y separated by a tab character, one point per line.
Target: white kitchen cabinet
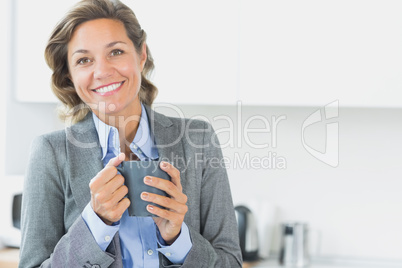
314	52
260	52
194	45
34	22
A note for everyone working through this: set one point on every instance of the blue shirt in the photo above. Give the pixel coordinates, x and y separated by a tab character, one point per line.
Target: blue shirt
139	236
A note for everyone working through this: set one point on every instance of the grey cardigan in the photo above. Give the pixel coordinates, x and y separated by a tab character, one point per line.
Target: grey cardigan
56	191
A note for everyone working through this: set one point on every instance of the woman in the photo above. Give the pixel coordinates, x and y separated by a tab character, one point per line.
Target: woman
74	204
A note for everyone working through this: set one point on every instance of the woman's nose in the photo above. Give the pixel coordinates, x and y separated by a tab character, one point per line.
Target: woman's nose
103	69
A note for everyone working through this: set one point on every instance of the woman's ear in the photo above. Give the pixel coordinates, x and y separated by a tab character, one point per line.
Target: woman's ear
68	76
143	56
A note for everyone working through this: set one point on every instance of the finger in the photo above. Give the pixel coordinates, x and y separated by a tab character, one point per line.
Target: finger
173	172
115	161
114	184
103	177
107	173
109	209
117	212
107	200
166	202
108	190
119	194
167	186
123	205
174	218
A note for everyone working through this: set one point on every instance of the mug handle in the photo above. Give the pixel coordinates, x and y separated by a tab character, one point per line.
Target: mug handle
120	169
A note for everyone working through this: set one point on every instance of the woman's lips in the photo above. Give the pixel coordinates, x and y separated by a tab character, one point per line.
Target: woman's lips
108	89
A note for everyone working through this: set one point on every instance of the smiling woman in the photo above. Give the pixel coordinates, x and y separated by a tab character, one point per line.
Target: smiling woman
103	62
65	52
100	61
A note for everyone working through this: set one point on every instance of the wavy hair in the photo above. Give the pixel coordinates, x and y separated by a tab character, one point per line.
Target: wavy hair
73	107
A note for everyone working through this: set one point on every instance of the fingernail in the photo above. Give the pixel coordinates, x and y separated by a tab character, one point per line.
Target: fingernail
164	164
150	207
144	196
148	180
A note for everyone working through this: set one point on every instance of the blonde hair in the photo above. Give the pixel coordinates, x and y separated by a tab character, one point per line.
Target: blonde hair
56	53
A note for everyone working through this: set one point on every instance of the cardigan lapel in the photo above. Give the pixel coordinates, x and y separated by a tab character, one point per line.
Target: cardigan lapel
84	158
167	138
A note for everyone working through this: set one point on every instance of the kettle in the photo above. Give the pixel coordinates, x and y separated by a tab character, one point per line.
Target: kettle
294	245
248	234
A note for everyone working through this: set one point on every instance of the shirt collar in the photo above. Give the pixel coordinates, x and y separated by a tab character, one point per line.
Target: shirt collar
143	142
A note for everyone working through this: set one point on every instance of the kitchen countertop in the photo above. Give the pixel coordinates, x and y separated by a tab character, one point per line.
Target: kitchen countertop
327	263
9	257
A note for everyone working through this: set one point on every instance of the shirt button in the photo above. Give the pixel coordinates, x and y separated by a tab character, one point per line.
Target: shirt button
150	252
168	254
107	238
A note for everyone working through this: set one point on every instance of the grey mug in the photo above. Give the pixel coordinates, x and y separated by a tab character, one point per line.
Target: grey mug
134	173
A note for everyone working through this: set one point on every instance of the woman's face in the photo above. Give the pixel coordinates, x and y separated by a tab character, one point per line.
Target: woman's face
105	67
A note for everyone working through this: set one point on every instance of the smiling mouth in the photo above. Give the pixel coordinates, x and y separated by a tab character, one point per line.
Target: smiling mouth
108	88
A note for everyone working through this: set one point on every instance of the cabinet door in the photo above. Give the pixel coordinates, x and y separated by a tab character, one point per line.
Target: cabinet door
34	22
314	52
194	45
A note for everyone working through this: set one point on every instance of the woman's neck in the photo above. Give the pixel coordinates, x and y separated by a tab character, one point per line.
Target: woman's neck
127	123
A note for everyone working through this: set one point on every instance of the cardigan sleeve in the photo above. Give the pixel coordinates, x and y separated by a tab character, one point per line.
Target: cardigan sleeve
45	242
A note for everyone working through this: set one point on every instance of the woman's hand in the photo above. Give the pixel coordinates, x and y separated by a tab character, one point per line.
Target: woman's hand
108	192
170	219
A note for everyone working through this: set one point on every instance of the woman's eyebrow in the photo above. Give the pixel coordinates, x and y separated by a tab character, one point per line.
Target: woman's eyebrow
80	51
115	43
112	44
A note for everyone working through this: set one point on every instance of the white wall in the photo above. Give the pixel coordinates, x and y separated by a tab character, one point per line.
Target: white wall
356	205
4	74
4	77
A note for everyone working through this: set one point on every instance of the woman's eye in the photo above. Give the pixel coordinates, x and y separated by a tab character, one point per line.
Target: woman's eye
116	52
83	61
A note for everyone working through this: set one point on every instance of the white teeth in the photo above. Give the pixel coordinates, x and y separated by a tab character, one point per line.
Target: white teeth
108	88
